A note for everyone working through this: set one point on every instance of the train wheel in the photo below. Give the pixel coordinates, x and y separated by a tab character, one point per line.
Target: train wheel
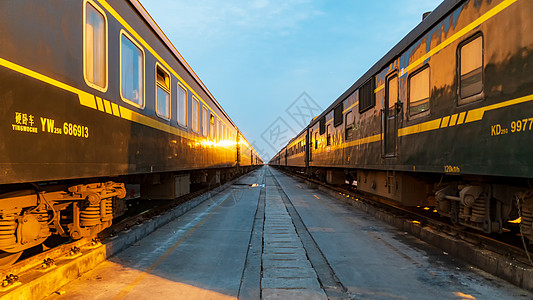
7	259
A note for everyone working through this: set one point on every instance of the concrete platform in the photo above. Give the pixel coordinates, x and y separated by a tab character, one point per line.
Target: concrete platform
289	243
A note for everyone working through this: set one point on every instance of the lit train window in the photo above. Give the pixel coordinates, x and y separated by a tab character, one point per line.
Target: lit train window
328	138
205	121
219	130
182	105
162	94
470	69
212	127
95	47
418	95
349	126
392	88
131	71
195	114
225	132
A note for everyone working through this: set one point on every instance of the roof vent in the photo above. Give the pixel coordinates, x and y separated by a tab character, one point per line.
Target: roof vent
424	15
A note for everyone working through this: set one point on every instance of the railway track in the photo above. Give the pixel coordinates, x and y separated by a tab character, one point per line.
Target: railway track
507	244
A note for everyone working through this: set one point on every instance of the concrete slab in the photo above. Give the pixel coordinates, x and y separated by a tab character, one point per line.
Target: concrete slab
284	256
277	294
289	273
309	283
276	251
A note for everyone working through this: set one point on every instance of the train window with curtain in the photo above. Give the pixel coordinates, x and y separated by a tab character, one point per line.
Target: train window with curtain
348	128
212	126
162	94
131	71
470	69
195	114
95	47
367	98
328	138
337	114
182	105
418	94
205	121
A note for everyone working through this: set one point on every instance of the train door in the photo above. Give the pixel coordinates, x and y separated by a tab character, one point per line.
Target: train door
390	117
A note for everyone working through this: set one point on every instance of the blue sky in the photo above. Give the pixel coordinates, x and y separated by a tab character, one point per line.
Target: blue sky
257	57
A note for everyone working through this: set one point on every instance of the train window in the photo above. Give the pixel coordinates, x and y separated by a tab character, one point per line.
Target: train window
470	69
182	105
367	98
328	138
215	129
95	47
337	114
316	140
219	129
205	121
322	125
348	128
162	94
418	95
195	114
212	126
131	71
392	89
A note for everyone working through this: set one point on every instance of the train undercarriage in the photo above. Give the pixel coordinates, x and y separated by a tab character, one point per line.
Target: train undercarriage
491	205
29	216
30	213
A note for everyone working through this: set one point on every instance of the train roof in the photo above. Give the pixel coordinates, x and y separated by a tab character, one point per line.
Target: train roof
150	21
159	32
422	28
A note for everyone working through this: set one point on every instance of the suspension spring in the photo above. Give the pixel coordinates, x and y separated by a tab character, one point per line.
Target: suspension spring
90	215
527	221
478	210
8	227
107	207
